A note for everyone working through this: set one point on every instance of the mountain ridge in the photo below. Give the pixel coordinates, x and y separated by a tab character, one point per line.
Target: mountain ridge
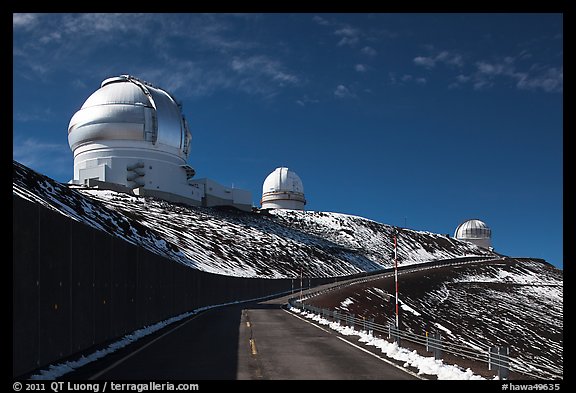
265	244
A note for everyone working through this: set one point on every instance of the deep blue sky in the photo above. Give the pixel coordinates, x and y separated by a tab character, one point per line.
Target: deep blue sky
417	119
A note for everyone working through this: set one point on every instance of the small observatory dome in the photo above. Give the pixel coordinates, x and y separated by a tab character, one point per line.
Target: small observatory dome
283	189
133	134
474	231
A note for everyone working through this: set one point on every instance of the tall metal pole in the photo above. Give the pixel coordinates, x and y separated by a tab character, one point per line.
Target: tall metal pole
300	284
396	273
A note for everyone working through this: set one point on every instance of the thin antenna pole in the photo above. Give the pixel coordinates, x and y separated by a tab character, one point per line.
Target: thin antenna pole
396	272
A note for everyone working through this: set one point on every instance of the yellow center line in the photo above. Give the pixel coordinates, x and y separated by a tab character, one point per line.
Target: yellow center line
253	346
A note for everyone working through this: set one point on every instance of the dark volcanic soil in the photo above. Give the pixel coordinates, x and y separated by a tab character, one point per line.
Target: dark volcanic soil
515	303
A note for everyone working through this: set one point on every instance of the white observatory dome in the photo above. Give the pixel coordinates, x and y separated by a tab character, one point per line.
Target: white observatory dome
474	231
132	134
283	189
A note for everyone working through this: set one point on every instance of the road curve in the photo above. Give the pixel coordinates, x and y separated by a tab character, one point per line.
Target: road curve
252	341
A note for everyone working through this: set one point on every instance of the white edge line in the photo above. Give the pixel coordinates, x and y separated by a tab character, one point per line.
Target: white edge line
313	324
381	358
359	347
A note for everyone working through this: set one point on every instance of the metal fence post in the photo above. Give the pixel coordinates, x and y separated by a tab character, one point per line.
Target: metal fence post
394	333
438	346
494	359
504	370
370	326
497	357
499	360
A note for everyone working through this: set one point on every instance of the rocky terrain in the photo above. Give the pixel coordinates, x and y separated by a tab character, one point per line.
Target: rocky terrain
228	241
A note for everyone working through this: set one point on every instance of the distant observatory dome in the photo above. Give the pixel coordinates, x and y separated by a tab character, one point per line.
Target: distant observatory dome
475	231
283	189
132	134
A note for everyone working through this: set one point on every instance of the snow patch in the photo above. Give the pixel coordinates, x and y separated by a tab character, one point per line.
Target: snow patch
345	303
445	329
57	370
406	307
424	364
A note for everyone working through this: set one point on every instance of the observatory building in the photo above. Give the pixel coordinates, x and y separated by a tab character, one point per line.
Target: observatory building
283	189
131	136
475	231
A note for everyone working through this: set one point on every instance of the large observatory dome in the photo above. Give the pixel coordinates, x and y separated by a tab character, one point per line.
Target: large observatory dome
132	134
474	231
127	109
283	189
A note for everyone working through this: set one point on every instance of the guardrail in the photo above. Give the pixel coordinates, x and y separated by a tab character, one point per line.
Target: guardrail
371	276
497	358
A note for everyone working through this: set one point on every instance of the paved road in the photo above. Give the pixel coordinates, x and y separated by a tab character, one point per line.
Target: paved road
290	348
250	341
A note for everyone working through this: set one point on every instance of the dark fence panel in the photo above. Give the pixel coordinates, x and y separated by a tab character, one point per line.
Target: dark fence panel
75	287
82	286
102	251
25	288
54	294
121	271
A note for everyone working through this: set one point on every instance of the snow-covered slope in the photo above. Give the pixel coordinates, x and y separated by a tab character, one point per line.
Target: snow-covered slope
227	241
516	303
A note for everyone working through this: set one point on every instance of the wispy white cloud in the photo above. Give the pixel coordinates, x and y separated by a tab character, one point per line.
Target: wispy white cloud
52	36
360	68
150	46
189	78
551	80
449	58
57	39
31	115
342	91
462	78
321	21
406	79
79	84
444	57
354	36
42	156
23	20
487	73
428	62
493	69
101	22
350	35
459	81
305	100
368	50
263	66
